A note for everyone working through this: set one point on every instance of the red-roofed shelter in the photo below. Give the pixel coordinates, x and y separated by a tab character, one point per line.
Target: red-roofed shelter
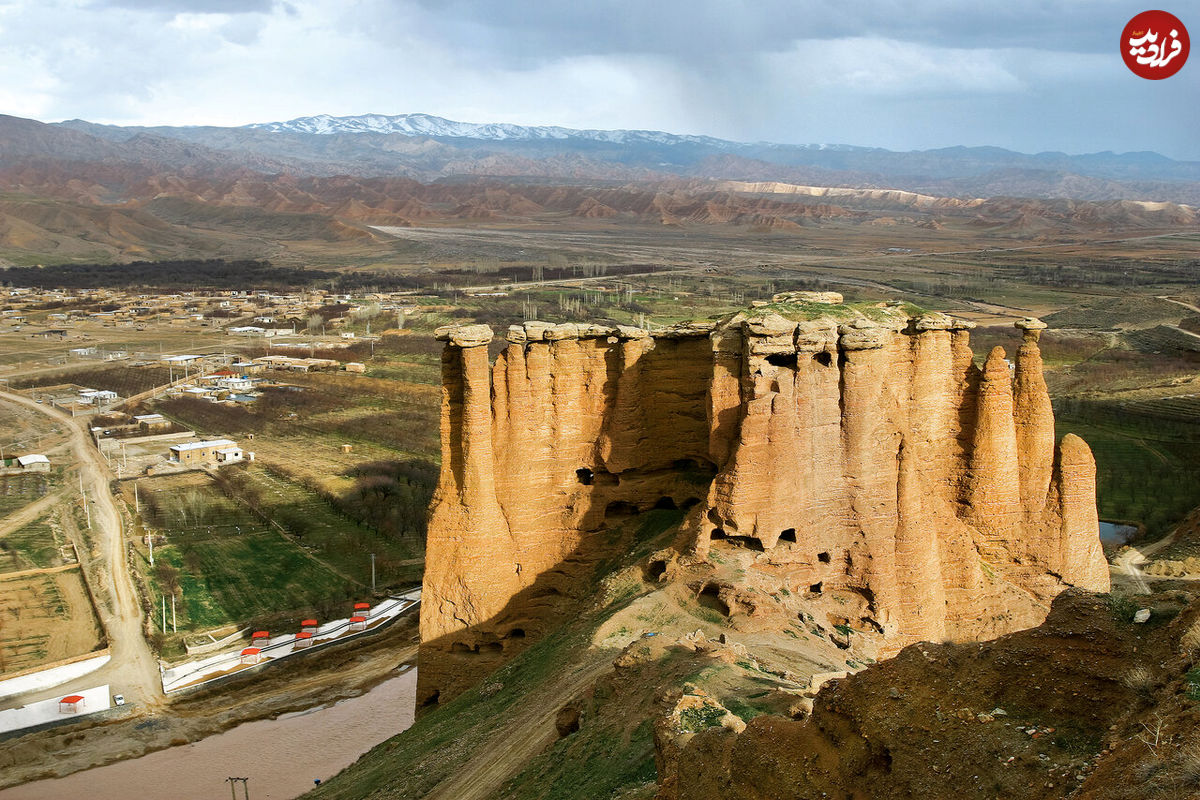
71	704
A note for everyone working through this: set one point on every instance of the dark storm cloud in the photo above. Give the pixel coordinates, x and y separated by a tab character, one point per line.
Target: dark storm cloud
721	30
191	6
1022	74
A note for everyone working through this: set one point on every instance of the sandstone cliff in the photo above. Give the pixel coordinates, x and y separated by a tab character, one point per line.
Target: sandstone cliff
858	448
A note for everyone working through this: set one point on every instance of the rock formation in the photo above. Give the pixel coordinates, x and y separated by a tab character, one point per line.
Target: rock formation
859	448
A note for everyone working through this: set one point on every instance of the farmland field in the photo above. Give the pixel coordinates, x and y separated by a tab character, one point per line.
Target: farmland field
253	546
37	545
45	617
1147	462
242	577
20	490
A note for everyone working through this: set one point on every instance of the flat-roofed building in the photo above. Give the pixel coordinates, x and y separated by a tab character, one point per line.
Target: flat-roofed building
206	452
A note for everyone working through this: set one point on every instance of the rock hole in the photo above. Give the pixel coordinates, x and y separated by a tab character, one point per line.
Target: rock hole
710	597
461	647
823	558
432	699
619	508
748	542
656	569
585	475
567	721
666	503
516	633
685	463
718	533
788	536
824	358
815	588
782	360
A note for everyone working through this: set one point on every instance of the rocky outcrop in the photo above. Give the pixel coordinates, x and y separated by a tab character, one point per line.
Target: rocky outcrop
859	448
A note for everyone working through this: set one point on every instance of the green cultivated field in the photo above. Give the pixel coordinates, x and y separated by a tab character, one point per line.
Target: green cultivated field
1147	464
17	491
237	578
33	546
337	540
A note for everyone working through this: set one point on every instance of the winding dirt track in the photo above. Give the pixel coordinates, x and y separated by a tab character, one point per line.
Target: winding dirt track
133	669
520	737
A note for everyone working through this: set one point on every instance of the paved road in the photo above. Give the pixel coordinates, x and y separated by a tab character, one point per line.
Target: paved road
133	670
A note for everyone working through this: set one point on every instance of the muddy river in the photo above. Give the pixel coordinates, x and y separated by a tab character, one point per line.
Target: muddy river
280	757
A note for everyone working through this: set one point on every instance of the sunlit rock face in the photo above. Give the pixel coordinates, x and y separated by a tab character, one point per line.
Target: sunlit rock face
859	447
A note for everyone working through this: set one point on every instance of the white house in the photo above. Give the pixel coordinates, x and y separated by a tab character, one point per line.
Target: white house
236	383
97	397
35	462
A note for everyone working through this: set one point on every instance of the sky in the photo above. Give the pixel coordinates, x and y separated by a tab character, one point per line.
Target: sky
1028	75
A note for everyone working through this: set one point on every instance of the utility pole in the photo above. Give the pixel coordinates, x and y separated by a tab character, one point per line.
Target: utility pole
164	613
245	789
372	572
173	629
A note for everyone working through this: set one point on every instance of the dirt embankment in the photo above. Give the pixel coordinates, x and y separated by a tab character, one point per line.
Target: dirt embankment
333	674
1088	705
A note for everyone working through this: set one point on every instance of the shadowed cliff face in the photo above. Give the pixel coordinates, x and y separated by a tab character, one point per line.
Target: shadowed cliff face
857	447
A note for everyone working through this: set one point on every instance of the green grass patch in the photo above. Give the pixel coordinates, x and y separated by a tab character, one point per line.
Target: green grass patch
33	546
1147	467
240	578
1192	682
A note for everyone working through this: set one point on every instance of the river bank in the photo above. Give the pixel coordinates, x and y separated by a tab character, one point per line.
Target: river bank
281	758
341	672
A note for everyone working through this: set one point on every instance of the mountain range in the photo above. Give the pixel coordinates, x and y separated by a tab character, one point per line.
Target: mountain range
425	147
79	190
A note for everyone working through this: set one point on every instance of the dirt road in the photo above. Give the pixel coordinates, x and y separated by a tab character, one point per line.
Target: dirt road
133	670
30	513
520	737
1129	563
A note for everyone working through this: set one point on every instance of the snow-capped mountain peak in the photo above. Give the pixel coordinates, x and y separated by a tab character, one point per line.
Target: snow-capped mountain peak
428	125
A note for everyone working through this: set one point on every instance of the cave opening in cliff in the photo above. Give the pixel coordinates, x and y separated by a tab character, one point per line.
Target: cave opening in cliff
516	633
824	358
585	476
815	588
433	698
788	535
710	597
666	503
620	508
746	542
461	647
782	360
823	558
655	570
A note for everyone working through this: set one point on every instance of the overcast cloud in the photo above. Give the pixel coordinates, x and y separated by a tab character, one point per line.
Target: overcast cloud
1026	75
